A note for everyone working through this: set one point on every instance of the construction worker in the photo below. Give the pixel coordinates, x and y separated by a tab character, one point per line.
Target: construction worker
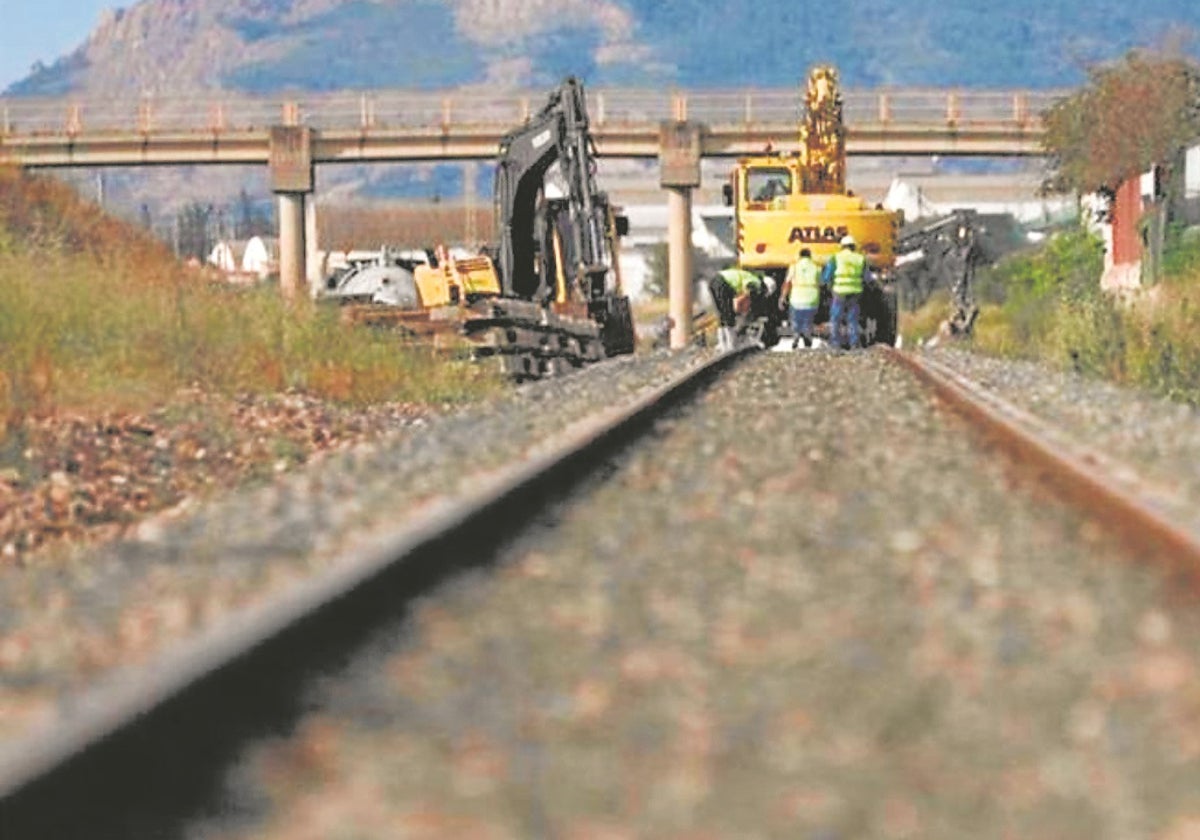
725	286
801	293
846	271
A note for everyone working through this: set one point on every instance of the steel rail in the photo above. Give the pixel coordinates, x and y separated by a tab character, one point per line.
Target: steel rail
1122	502
144	749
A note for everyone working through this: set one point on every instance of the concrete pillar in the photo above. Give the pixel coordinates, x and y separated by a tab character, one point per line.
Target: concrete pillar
470	200
292	252
679	160
679	262
312	251
292	181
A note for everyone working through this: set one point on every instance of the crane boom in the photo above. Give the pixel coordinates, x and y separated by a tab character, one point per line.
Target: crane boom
823	135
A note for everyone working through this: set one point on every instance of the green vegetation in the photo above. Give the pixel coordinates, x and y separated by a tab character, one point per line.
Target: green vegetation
1048	305
96	315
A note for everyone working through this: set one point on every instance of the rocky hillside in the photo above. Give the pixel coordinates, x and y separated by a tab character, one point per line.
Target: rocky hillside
266	45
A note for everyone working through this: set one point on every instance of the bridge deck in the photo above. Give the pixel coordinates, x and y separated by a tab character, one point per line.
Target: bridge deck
407	125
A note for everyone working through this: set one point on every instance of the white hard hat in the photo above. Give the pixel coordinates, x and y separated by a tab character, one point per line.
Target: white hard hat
848	240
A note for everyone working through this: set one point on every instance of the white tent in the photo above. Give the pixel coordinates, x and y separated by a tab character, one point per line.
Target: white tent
907	197
227	255
261	256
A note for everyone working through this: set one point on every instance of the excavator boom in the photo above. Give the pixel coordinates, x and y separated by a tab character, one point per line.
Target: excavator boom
527	215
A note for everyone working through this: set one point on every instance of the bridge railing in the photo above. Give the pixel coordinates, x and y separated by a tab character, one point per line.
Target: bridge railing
471	110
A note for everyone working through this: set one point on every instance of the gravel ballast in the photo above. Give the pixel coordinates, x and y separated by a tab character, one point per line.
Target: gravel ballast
810	606
70	618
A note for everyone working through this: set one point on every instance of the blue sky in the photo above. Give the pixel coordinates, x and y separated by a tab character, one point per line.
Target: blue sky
44	30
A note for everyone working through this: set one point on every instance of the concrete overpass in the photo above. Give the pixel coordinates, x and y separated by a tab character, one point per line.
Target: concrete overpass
414	126
293	135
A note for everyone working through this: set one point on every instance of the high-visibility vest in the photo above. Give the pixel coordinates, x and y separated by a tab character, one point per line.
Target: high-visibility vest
848	272
739	279
806	290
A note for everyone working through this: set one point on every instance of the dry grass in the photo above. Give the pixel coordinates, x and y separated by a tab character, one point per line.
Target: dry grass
95	314
922	324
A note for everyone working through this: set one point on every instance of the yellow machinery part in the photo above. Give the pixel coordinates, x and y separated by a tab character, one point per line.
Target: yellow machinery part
454	279
560	275
823	135
771	234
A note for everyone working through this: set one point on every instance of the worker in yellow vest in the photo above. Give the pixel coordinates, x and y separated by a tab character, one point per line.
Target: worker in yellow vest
801	294
726	287
846	271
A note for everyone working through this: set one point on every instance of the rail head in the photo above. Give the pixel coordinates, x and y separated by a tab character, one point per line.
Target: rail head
1094	483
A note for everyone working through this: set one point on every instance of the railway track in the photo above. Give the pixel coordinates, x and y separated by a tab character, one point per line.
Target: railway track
118	761
1129	505
151	749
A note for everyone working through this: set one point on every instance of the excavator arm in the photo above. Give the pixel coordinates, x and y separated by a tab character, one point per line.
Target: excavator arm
543	237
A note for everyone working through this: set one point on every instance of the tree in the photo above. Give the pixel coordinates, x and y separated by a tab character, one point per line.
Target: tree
250	221
1132	114
194	239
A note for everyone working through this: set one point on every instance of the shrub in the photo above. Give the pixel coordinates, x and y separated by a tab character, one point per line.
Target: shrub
1053	310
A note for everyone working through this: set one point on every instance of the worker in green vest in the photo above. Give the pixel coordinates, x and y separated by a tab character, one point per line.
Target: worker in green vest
846	271
801	294
726	286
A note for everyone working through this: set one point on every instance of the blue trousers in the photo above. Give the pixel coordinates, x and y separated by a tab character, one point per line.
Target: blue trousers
844	307
802	323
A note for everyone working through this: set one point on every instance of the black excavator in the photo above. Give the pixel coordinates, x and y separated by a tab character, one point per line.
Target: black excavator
558	234
547	297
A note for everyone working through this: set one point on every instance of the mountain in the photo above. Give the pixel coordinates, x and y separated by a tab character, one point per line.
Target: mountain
163	46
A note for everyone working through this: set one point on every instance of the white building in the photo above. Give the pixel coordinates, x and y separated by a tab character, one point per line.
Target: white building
926	195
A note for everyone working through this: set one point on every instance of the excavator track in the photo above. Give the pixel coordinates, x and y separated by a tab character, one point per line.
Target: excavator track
520	338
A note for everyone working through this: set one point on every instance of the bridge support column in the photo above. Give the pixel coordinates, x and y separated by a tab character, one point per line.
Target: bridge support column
679	158
292	251
312	253
679	264
292	181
